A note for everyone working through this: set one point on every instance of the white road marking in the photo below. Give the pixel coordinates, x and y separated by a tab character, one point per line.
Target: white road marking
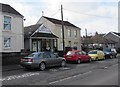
18	76
70	77
64	68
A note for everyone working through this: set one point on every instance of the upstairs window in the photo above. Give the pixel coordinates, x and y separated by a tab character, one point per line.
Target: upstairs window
69	33
7	42
7	23
75	33
61	34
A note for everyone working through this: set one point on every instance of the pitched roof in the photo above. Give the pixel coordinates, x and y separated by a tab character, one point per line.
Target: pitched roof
117	33
29	30
7	8
97	39
56	21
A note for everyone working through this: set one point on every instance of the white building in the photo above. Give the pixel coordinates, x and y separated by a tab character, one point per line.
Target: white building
11	29
72	33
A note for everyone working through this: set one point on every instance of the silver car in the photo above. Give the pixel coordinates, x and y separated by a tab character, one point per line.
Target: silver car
42	60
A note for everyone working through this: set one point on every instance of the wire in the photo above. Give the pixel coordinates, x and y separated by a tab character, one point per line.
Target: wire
90	14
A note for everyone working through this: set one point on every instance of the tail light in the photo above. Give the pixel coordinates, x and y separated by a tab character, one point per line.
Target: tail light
30	60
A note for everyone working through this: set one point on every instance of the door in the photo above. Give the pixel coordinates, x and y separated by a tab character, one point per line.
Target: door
34	46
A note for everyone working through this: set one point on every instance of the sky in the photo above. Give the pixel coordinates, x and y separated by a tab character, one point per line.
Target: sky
94	15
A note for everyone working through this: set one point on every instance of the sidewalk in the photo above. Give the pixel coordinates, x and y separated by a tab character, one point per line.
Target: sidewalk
11	67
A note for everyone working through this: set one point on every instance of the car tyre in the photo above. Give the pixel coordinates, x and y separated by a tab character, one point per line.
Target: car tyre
96	58
111	56
42	66
104	58
63	63
78	61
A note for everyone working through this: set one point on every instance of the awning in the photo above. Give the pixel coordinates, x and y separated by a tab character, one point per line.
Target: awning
44	35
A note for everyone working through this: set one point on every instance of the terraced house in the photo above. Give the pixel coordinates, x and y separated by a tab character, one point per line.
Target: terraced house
71	32
11	29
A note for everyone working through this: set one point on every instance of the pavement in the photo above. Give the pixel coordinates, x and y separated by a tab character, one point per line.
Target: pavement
11	67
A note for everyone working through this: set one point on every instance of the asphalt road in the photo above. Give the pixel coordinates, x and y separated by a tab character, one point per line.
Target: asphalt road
103	72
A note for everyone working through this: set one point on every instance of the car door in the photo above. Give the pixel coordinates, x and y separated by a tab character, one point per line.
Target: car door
55	60
81	56
98	53
47	59
86	56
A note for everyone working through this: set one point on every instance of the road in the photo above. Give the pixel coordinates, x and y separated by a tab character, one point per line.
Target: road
103	72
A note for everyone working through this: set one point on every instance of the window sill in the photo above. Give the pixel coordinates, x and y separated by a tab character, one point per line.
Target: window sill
7	48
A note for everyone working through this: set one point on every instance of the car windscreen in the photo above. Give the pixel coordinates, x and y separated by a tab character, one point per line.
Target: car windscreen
92	52
70	53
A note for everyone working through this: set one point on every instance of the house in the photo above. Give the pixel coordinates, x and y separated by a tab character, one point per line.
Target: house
11	29
115	37
97	41
39	38
72	36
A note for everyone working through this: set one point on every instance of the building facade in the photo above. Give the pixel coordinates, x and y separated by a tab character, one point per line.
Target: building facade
39	38
11	29
115	37
72	35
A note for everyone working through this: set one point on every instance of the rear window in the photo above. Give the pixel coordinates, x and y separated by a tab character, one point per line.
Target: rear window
93	52
34	55
70	53
106	50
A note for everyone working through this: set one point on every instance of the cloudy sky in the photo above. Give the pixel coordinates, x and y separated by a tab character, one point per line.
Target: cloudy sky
94	15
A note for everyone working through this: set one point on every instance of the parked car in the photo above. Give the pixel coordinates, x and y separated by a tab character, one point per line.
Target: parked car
110	53
42	60
96	54
77	56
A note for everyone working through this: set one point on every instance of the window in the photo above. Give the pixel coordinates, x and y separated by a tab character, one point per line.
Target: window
69	42
75	33
52	55
69	33
46	55
61	33
7	23
61	46
7	42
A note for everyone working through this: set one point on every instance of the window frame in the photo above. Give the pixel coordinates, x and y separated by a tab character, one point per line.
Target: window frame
7	23
7	47
75	33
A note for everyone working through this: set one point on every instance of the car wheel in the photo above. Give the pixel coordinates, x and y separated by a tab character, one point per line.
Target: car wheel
111	56
104	58
63	63
96	58
42	66
78	61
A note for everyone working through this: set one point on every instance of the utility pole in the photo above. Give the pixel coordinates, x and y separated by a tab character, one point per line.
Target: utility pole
86	32
63	30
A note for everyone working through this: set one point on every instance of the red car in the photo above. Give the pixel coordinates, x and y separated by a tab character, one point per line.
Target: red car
77	56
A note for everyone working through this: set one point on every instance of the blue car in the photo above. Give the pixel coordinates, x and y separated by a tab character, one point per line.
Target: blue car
110	53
